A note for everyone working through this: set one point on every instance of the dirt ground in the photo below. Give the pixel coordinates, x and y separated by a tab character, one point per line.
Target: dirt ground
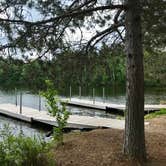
103	147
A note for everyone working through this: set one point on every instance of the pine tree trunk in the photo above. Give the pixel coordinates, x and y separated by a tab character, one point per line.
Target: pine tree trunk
134	138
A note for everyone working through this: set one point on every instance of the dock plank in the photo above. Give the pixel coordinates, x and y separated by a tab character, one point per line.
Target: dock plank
103	106
74	121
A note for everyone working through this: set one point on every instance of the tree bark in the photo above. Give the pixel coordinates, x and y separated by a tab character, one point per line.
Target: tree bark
134	138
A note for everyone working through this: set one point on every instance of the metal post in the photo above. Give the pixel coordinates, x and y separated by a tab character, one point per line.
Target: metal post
39	102
70	93
93	96
80	92
16	96
103	95
20	102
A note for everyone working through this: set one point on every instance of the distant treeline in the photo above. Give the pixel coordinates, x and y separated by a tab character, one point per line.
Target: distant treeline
101	68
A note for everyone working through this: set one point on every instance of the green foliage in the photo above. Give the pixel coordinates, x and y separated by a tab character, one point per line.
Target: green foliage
72	68
155	71
37	38
156	114
20	150
153	24
57	109
33	75
10	71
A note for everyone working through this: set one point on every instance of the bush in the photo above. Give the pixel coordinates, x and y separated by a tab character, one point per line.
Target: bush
20	150
57	109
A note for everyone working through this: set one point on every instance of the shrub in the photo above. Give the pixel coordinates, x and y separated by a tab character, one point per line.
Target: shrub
20	150
56	108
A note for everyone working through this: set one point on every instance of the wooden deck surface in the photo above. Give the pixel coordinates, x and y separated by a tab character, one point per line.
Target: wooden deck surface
104	106
79	122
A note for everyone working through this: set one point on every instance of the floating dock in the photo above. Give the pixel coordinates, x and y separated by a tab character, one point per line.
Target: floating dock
31	115
108	107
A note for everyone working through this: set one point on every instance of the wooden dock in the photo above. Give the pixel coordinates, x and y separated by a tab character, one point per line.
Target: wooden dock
31	115
108	106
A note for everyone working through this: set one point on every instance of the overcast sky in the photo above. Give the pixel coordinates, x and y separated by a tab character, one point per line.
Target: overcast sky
33	15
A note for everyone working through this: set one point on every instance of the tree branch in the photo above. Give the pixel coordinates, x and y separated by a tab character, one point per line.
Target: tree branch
9	45
66	15
117	16
120	34
106	31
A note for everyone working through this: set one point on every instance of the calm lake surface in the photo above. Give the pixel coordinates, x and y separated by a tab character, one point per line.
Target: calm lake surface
152	96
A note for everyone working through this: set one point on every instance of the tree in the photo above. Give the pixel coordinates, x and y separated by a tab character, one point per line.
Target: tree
134	143
32	75
47	34
153	20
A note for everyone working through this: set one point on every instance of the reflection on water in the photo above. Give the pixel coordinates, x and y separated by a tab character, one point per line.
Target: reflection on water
20	127
32	100
115	97
89	112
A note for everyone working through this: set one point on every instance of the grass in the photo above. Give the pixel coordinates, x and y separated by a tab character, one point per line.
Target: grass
156	114
148	116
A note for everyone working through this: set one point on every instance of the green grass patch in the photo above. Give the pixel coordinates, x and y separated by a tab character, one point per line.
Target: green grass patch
119	117
156	114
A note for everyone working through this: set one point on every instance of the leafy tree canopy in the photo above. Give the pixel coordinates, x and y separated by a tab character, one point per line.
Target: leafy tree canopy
45	26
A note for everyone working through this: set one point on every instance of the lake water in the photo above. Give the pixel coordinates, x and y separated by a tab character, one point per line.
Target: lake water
32	100
116	94
18	127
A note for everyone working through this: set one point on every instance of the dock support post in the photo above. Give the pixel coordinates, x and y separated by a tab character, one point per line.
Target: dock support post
16	96
70	93
20	102
80	92
93	96
103	95
39	102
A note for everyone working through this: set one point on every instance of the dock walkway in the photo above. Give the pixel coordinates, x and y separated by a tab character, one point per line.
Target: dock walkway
108	106
31	115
